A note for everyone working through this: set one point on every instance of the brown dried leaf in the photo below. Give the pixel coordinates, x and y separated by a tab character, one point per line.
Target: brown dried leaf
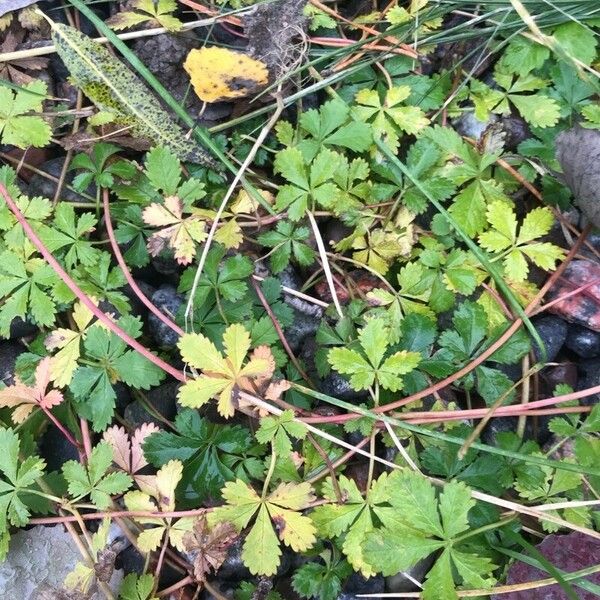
208	547
276	389
105	564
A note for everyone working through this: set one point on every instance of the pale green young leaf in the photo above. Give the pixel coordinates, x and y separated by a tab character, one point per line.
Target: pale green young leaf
17	128
537	109
537	222
278	430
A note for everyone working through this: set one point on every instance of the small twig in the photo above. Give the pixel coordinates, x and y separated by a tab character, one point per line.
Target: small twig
130	35
177	586
401	449
524	396
334	482
86	438
298	294
123	265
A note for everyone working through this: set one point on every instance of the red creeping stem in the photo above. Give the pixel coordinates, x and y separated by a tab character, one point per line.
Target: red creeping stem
317	419
35	240
483	356
130	280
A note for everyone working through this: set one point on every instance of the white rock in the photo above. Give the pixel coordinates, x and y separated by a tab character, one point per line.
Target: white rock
38	561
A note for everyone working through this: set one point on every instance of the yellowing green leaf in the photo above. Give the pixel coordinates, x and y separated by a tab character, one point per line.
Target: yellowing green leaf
221	374
261	552
221	74
178	232
64	362
513	248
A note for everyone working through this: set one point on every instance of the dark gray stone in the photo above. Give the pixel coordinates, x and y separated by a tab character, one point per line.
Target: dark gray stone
402	582
337	386
356	584
131	561
589	376
302	327
553	332
233	567
583	341
20	328
9	351
470	126
516	131
164	401
56	449
168	301
41	186
578	152
289	278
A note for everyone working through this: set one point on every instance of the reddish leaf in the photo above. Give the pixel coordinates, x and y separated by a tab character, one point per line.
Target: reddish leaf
127	453
24	398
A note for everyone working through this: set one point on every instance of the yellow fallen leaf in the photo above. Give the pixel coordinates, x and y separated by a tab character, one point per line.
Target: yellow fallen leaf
221	74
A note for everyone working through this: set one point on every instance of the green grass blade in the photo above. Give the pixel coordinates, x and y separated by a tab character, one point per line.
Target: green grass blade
365	412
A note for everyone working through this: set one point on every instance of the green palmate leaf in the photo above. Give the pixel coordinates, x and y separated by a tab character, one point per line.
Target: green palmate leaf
322	581
389	117
17	476
116	90
25	284
68	232
331	125
17	126
310	182
227	278
261	552
368	366
278	431
523	56
536	108
94	479
423	524
288	243
211	455
515	249
158	13
354	518
107	361
136	587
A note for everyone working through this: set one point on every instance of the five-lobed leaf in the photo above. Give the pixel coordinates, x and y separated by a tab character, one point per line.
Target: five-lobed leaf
514	248
261	552
221	373
368	366
94	479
